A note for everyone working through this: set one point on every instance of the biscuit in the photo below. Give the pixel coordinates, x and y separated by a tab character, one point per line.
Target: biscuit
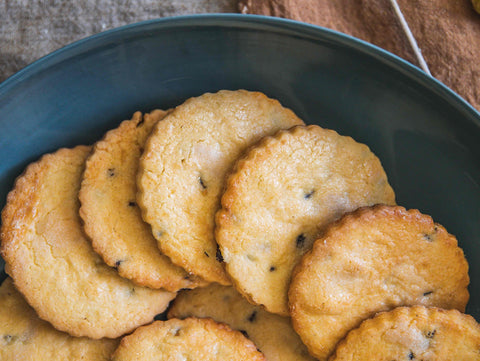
416	333
181	172
189	339
272	334
53	264
281	196
372	260
24	336
111	216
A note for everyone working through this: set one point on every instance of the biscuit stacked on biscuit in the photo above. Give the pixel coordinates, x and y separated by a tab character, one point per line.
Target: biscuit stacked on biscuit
374	259
287	236
23	335
182	171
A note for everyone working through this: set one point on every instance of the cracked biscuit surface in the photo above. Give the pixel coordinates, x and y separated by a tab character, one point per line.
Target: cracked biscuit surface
24	336
272	334
281	196
189	339
110	213
52	262
182	171
372	260
416	333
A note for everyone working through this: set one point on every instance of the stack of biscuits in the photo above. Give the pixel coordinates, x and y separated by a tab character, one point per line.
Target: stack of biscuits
275	240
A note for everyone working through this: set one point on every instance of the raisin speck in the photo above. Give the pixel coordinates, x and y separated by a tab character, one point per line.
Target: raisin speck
252	317
300	241
428	237
218	255
244	333
132	204
206	254
9	339
141	122
202	183
411	356
118	263
111	172
427	293
272	268
309	194
430	334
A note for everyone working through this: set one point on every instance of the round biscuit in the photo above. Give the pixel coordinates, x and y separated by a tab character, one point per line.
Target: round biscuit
182	170
372	260
24	336
52	262
272	334
416	333
189	339
281	196
112	219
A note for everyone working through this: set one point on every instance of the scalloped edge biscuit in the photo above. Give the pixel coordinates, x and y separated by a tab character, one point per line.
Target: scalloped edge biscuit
413	333
182	170
281	195
372	260
272	334
24	336
188	339
52	262
112	219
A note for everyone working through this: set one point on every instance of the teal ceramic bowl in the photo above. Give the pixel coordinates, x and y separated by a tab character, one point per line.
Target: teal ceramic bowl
426	136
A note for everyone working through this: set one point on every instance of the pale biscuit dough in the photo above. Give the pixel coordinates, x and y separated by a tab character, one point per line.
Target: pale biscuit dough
279	199
53	264
24	336
189	339
373	260
111	216
272	334
182	170
416	333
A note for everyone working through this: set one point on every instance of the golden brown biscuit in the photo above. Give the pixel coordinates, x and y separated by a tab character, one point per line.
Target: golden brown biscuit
281	196
272	334
373	260
111	216
416	333
53	264
24	336
189	339
181	172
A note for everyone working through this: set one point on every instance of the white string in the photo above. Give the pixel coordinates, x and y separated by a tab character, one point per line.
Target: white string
410	37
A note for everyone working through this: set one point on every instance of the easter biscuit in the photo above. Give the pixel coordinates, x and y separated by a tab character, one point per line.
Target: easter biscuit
272	334
372	260
182	171
189	339
416	333
111	216
279	198
52	263
24	336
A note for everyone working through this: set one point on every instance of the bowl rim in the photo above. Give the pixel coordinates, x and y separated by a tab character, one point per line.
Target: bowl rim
252	22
